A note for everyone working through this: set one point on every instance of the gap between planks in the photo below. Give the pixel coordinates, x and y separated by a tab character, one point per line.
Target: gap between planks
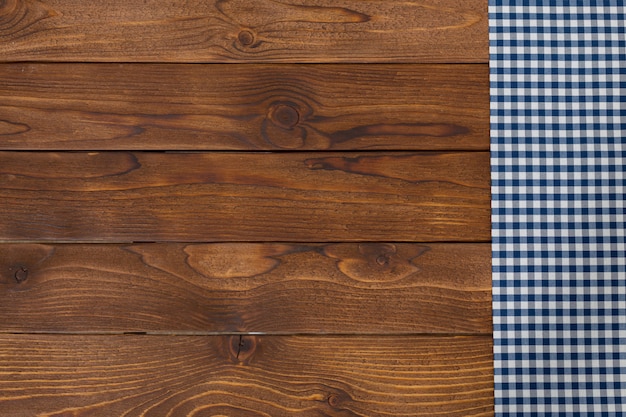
268	334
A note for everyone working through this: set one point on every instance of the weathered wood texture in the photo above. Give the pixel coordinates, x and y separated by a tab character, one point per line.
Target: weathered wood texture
244	287
187	197
243	107
244	31
132	376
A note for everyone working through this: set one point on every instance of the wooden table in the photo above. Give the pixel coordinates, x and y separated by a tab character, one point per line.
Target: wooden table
244	208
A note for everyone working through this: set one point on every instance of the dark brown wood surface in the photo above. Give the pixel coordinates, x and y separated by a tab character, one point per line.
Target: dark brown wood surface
244	107
245	287
132	376
185	197
244	31
244	208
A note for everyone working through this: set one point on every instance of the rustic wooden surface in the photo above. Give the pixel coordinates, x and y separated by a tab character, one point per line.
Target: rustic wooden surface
299	228
244	287
308	197
132	376
244	31
243	107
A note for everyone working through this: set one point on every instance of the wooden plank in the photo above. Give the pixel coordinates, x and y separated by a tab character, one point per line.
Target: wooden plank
148	376
203	197
242	31
246	287
244	107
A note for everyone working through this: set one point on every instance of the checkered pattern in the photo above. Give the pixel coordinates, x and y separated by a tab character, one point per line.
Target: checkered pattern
558	143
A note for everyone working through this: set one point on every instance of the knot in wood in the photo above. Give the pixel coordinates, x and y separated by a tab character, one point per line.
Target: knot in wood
243	347
339	399
21	274
382	260
246	38
7	6
333	400
285	116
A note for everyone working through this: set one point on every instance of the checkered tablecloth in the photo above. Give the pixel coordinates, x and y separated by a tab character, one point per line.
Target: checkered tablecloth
558	117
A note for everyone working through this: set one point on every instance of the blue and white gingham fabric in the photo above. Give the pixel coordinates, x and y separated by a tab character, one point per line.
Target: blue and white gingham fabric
558	117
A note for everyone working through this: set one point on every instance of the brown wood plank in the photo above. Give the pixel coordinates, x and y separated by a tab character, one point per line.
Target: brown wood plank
245	287
148	376
191	197
243	107
244	31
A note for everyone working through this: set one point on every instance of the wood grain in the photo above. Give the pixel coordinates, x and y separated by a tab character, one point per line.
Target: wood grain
243	107
241	31
228	315
132	376
244	287
205	197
